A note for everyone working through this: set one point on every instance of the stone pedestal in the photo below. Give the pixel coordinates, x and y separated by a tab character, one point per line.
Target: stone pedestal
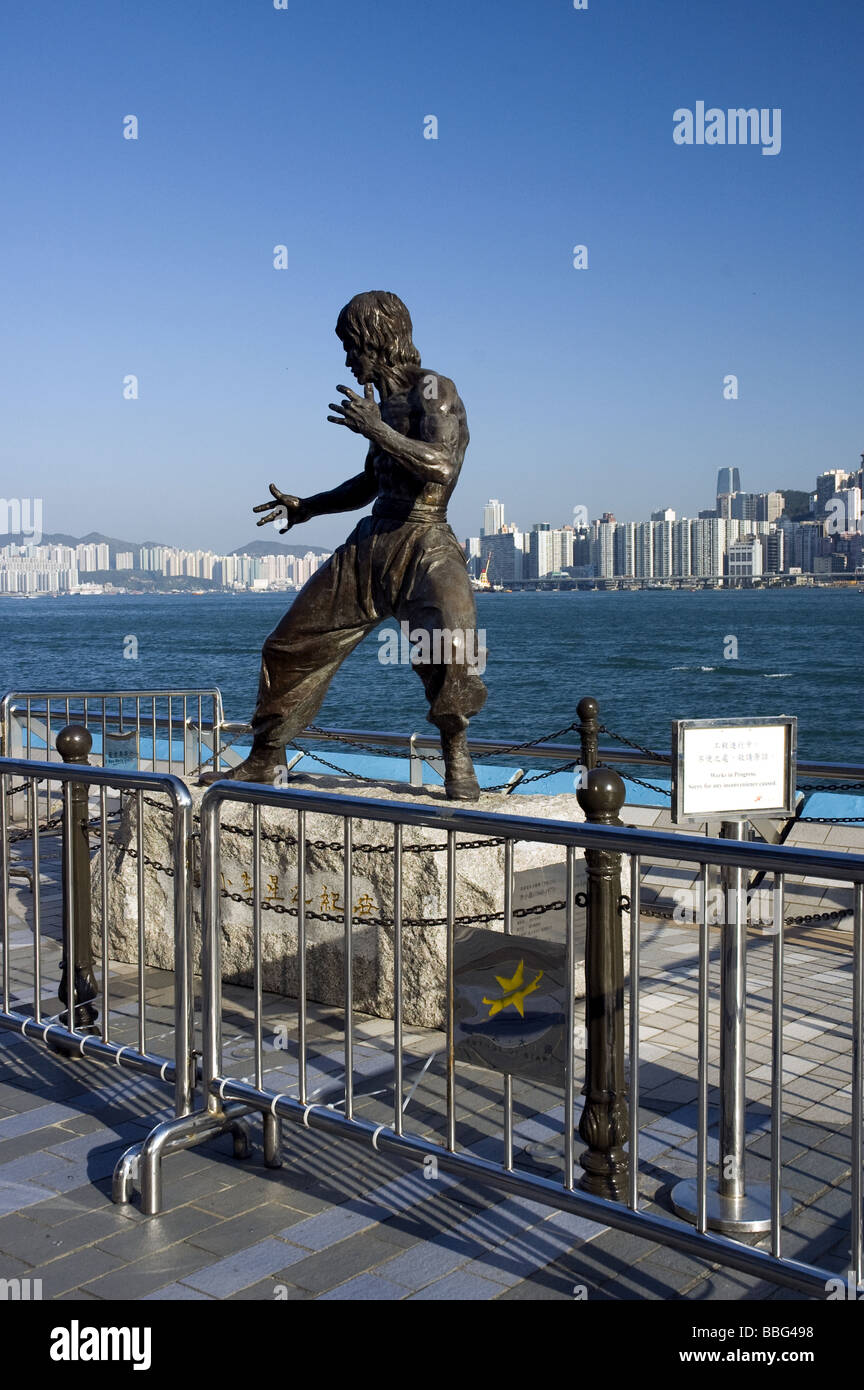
479	889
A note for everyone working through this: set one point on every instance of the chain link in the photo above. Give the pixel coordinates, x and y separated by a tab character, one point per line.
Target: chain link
336	845
834	787
640	747
668	914
661	791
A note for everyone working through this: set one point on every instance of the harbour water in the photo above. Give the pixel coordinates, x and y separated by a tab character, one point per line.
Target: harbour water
646	656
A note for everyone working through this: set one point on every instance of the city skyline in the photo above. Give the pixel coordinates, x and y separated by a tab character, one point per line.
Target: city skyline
166	357
745	536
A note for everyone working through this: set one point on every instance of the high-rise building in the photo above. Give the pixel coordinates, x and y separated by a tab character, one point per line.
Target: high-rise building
603	548
744	558
682	564
728	480
828	484
769	506
708	546
624	549
493	517
504	556
644	550
773	551
847	509
662	546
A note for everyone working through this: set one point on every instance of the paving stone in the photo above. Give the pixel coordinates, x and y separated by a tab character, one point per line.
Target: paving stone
174	1292
365	1288
77	1269
193	1187
224	1237
535	1290
135	1241
426	1262
458	1287
246	1267
16	1196
232	1201
10	1268
328	1268
142	1277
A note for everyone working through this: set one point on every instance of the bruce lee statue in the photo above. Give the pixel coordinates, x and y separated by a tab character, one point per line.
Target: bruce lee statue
403	561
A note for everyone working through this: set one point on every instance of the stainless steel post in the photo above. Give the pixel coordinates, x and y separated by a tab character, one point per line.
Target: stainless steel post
730	1206
733	1026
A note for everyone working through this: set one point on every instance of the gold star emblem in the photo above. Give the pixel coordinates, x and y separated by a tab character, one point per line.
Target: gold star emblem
514	991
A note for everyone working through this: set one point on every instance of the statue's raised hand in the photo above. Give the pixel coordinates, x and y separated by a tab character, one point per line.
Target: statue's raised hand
359	413
291	511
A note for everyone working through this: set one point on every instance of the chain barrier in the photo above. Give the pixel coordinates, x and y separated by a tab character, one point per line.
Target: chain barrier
661	791
834	787
467	919
668	914
640	748
378	752
94	824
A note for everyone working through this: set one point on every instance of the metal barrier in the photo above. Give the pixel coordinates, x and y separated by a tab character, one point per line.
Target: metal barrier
132	721
75	1031
27	716
607	1168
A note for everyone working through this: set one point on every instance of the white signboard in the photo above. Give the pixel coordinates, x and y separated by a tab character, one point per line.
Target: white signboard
120	750
727	769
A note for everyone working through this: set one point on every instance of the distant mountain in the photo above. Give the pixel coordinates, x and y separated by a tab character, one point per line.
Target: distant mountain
279	548
92	538
115	546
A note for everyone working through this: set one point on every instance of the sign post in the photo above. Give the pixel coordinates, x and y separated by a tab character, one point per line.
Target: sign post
738	770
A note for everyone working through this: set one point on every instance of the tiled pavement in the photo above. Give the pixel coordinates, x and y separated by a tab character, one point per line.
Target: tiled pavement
341	1222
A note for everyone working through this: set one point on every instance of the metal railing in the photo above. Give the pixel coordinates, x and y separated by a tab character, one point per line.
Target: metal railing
607	1166
163	730
26	977
159	718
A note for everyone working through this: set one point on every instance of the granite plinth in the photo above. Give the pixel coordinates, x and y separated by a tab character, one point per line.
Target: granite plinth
538	879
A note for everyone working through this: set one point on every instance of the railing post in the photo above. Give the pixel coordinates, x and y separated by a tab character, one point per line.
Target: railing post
589	725
732	1206
604	1125
73	744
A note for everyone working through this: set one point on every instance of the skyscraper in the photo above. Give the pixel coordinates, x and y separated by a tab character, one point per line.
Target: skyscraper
493	517
728	480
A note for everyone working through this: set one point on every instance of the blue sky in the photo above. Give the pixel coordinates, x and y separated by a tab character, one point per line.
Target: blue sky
304	127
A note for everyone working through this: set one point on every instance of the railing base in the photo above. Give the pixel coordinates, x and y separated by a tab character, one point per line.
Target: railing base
735	1216
143	1161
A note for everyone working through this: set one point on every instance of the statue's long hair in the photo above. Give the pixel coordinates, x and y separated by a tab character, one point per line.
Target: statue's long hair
379	320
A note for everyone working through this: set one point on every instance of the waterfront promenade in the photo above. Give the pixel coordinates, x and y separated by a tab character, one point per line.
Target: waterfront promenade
341	1222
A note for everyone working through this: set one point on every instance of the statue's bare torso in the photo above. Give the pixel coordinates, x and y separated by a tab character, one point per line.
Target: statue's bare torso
429	409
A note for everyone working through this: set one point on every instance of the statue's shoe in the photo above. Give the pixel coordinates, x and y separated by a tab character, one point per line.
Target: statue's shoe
252	769
462	788
460	779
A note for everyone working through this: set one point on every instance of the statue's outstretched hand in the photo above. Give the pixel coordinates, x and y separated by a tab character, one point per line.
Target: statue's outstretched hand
359	413
290	511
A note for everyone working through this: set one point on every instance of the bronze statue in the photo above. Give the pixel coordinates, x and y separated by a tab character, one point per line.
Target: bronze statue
402	561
